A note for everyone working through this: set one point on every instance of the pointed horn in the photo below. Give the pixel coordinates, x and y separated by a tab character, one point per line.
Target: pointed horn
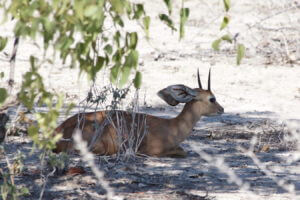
209	80
199	81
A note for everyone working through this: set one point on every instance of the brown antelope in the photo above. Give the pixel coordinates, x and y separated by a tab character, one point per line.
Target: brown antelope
162	136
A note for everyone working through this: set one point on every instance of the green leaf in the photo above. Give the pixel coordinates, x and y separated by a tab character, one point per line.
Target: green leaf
129	9
167	20
108	49
3	95
226	5
90	10
117	37
118	20
32	62
169	5
224	23
24	191
184	14
2	75
240	53
227	38
133	40
95	69
114	71
118	55
146	23
33	132
79	9
138	11
132	59
118	6
100	63
137	80
216	44
3	42
125	72
63	44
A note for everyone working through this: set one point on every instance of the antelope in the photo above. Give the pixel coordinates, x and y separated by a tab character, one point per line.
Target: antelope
162	137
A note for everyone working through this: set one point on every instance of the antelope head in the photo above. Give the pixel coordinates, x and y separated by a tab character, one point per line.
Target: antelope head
203	101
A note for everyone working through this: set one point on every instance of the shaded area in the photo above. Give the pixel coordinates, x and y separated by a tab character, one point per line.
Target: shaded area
188	178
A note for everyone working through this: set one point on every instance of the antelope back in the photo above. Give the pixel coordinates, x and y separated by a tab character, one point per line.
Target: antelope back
106	132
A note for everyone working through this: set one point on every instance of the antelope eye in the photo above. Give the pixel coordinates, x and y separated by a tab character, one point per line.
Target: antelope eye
212	100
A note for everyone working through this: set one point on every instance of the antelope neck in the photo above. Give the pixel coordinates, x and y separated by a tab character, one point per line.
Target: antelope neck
187	119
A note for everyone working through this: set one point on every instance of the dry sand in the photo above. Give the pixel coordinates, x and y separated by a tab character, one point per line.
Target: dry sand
261	98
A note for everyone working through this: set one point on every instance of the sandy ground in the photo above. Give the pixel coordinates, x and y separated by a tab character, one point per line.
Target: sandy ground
261	98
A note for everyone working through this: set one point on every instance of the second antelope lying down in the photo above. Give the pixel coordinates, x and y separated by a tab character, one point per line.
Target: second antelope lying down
162	136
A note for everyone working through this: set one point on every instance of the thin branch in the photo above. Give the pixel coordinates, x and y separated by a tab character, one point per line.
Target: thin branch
12	61
88	157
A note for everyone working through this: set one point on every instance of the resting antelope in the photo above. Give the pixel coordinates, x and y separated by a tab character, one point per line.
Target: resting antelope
162	137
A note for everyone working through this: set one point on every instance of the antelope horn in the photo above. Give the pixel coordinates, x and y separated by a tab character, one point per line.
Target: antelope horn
199	81
209	80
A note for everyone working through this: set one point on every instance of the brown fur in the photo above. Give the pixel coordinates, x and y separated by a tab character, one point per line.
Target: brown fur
162	137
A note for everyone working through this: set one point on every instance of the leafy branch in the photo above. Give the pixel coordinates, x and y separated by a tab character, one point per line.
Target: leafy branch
240	48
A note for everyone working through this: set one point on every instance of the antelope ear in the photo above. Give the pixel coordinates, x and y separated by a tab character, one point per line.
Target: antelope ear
176	94
167	97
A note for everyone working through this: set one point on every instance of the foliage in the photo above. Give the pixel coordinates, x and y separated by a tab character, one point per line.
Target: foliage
3	42
240	48
88	35
9	190
78	32
3	92
240	53
59	161
34	92
3	95
184	14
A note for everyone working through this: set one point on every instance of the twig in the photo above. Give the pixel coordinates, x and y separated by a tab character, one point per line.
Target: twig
223	167
12	65
11	173
89	159
273	15
288	54
45	182
280	182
